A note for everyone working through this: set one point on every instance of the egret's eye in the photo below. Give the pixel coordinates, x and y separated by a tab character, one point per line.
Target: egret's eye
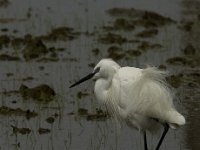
97	70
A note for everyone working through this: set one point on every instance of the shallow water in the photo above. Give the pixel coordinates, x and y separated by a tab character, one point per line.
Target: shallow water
73	130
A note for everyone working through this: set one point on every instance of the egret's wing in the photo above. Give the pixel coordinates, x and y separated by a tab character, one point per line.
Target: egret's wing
142	91
122	84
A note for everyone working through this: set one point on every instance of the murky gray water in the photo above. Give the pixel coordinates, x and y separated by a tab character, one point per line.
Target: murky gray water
174	45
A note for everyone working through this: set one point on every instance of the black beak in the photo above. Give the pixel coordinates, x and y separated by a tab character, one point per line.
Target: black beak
83	79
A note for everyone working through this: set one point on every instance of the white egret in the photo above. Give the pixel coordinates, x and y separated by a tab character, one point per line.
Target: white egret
140	97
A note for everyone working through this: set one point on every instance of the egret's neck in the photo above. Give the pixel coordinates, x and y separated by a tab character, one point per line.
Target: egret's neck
101	88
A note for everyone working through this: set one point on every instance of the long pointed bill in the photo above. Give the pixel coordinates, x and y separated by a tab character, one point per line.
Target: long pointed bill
83	79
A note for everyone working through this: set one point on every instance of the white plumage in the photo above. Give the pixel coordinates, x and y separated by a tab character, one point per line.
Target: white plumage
140	97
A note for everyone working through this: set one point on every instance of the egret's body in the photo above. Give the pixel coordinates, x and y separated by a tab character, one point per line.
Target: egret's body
140	97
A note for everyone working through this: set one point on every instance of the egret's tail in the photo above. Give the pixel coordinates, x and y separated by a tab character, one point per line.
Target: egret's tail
175	119
153	98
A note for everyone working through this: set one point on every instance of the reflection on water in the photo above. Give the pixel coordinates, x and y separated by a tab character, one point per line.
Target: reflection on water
46	45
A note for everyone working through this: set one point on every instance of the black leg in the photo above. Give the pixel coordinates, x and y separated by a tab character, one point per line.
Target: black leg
166	128
145	141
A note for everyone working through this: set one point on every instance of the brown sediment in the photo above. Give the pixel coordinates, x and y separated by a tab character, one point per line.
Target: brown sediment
9	74
115	53
81	94
175	80
186	26
41	92
162	67
132	52
27	79
95	51
4	30
144	45
70	59
17	112
50	120
111	38
17	43
4	3
11	20
177	60
4	41
43	131
41	67
92	65
6	57
47	59
141	17
34	48
60	33
82	112
99	115
189	50
22	131
121	24
147	33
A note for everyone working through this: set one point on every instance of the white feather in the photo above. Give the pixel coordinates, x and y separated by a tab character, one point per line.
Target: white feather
141	97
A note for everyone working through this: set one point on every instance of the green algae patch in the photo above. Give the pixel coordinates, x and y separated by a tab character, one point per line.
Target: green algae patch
42	93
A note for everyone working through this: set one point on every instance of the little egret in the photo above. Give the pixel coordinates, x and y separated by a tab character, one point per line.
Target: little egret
140	97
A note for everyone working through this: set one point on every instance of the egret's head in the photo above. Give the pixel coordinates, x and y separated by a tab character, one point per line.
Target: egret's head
104	69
